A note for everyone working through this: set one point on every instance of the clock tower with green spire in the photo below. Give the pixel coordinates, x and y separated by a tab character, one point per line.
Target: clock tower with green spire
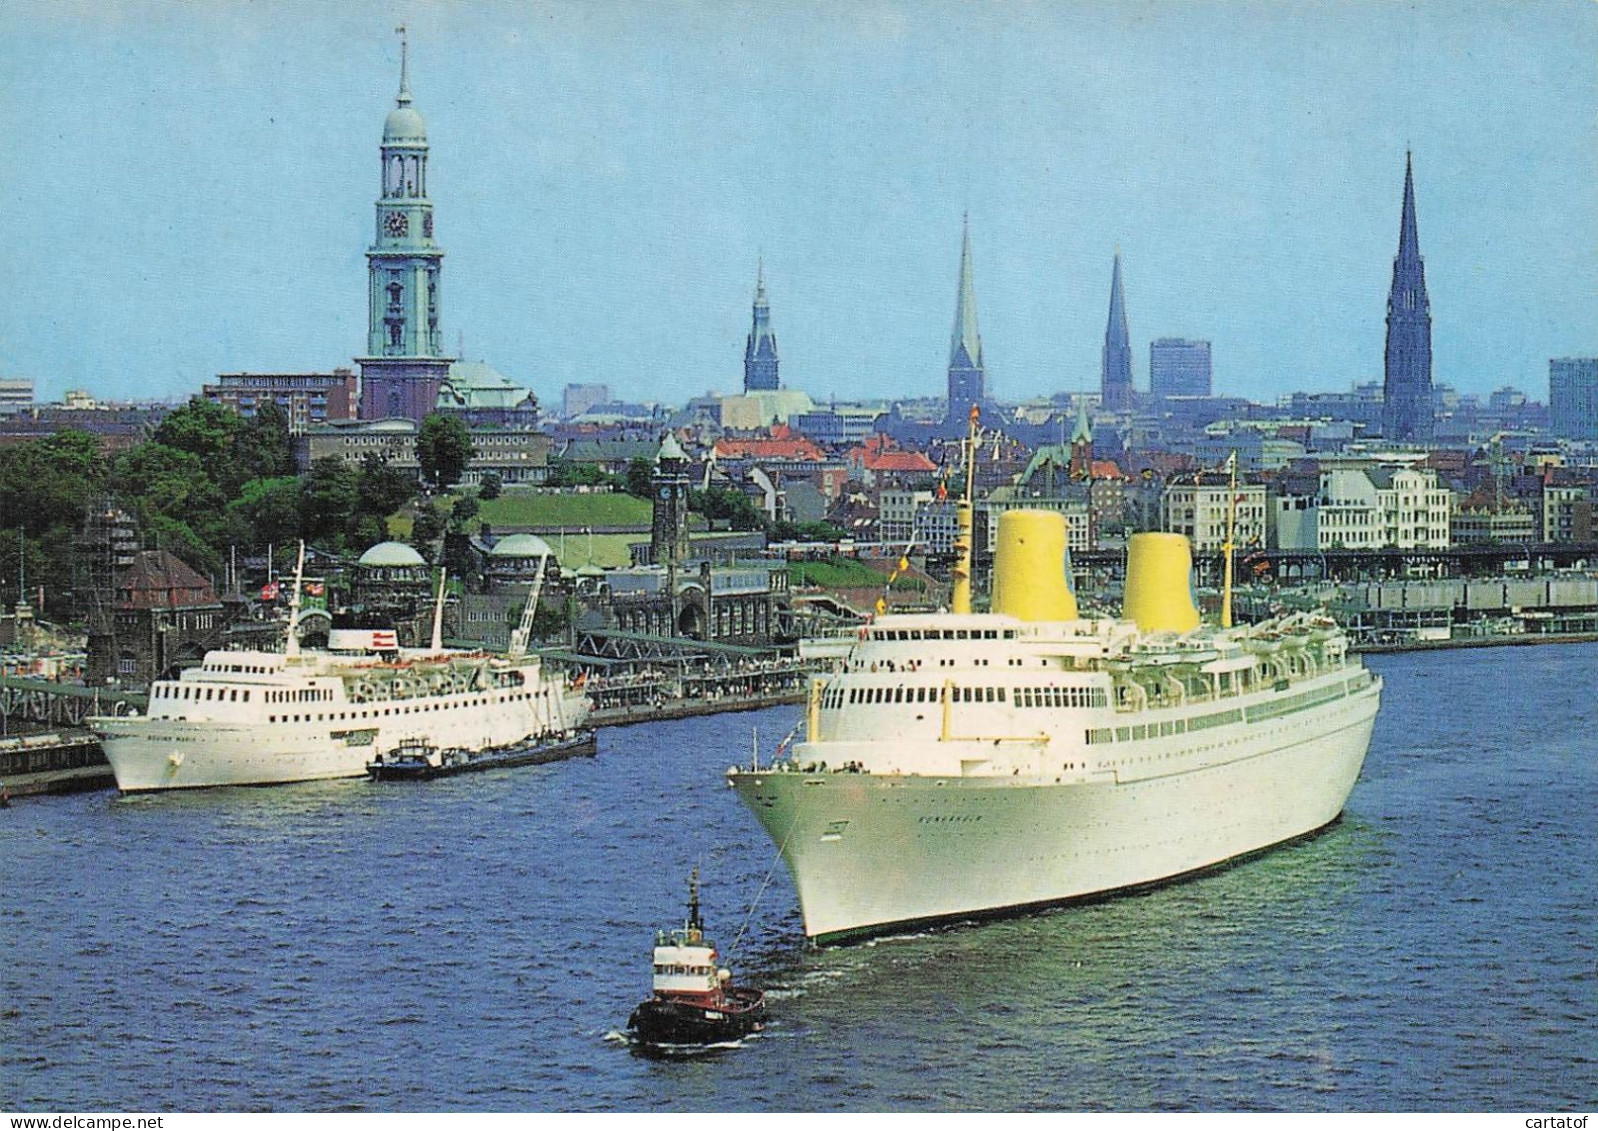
405	361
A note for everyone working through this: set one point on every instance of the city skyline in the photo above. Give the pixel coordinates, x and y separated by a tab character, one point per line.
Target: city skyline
191	188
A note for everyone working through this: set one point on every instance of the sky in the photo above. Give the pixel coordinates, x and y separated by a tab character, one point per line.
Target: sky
189	188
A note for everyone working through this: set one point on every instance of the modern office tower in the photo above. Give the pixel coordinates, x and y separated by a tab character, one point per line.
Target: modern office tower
1179	367
1407	389
1115	385
1573	397
405	362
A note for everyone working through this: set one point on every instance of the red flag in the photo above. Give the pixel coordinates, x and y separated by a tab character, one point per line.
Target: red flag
269	591
943	491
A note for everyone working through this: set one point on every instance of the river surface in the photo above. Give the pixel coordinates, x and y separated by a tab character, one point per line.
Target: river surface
474	943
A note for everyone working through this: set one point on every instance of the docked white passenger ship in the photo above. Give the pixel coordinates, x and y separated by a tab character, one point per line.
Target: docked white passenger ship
968	764
255	718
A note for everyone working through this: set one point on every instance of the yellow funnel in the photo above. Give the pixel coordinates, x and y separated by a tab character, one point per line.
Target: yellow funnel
1029	567
1158	594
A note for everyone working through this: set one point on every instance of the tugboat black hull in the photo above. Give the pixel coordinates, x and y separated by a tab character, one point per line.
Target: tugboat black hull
663	1021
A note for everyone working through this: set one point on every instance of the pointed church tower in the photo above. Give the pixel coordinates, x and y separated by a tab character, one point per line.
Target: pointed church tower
405	362
968	382
1081	445
760	351
1407	387
1115	385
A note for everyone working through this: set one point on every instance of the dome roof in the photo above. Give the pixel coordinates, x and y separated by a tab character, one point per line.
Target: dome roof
522	546
404	126
392	554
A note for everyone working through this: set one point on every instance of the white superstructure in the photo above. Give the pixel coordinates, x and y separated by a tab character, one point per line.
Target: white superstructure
969	764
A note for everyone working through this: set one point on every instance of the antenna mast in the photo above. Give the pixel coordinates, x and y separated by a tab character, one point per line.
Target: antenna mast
960	598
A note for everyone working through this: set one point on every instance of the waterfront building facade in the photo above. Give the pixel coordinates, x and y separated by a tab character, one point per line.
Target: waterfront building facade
1115	380
164	617
760	350
1407	387
1179	367
1573	397
1198	510
1416	509
405	363
896	514
1474	525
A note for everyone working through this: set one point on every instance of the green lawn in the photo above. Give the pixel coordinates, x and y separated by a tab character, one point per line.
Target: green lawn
846	573
571	511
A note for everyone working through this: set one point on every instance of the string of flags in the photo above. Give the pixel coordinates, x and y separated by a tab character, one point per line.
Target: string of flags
901	567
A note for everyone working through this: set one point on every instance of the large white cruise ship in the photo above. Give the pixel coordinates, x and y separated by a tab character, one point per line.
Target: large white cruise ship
961	765
256	718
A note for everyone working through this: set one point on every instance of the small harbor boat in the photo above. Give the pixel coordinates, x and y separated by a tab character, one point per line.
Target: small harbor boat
694	1001
420	760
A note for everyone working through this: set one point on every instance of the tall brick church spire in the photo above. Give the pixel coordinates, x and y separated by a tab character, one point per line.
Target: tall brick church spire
1115	386
1407	388
967	377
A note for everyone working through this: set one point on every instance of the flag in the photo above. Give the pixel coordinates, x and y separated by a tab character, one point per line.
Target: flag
904	563
882	606
943	491
1231	463
975	413
315	588
269	591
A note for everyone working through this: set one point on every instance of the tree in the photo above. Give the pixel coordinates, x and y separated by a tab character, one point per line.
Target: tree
383	489
640	478
203	429
266	512
443	448
464	510
427	529
723	504
492	486
154	479
563	473
48	483
330	500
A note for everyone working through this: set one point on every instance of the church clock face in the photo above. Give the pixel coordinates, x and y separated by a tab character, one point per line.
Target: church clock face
396	224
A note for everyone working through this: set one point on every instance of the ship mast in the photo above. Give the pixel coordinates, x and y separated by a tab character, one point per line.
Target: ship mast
291	646
438	612
696	929
1231	539
960	598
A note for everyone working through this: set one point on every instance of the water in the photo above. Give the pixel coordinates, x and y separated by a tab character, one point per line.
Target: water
469	943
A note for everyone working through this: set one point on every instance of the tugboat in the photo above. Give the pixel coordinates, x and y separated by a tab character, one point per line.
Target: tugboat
695	1002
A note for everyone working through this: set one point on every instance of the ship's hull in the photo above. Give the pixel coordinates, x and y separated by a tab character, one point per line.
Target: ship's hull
667	1021
168	753
870	853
